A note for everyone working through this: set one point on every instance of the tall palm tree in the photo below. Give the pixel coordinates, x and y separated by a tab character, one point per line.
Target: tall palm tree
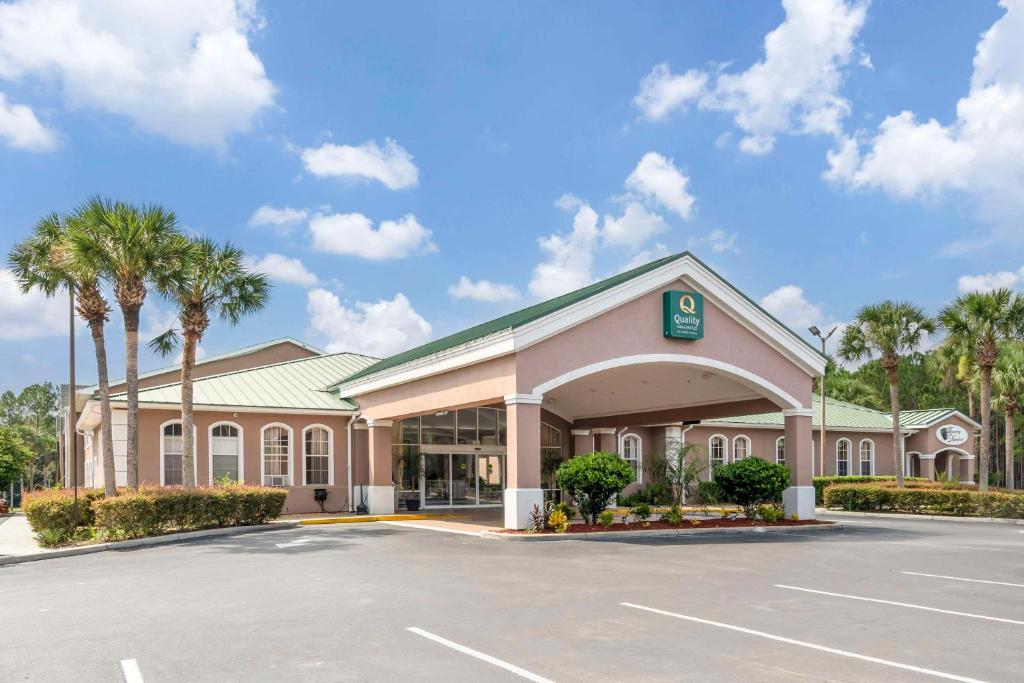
134	247
980	321
46	260
1008	390
214	280
889	329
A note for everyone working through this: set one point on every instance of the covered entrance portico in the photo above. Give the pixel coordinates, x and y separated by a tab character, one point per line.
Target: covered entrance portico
651	348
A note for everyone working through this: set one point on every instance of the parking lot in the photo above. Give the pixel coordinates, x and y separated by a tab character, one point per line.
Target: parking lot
878	600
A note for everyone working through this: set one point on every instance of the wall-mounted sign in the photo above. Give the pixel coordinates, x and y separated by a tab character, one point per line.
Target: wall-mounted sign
952	435
683	315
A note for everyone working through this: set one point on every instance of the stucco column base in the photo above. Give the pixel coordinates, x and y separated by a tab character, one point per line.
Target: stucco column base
380	500
799	500
519	504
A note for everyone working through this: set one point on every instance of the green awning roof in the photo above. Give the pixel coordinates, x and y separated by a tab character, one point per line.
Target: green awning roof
838	415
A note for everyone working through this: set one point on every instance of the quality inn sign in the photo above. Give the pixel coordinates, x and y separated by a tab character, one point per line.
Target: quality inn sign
683	315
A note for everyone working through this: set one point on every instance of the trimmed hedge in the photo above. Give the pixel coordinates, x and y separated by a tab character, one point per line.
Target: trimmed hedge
821	482
150	511
924	501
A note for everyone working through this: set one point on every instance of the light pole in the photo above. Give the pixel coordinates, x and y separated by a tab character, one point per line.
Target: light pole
813	329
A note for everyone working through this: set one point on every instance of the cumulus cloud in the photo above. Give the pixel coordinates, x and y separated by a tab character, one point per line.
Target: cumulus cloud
391	165
794	89
352	234
20	129
285	269
283	220
718	241
635	226
644	257
568	259
27	316
789	304
980	153
184	70
986	282
379	328
656	178
482	290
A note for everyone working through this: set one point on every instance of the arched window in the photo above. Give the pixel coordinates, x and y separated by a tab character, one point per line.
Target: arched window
276	455
632	453
843	457
780	450
317	456
716	451
171	450
867	457
225	452
740	448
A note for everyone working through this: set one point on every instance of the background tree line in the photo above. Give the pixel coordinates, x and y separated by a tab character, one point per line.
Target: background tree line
28	438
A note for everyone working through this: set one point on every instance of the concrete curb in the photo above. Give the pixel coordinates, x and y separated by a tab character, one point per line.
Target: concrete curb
937	518
147	541
655	533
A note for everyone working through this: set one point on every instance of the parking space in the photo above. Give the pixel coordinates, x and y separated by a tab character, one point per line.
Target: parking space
885	599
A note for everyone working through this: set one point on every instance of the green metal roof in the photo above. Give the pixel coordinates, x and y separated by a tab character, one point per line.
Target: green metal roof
920	418
295	384
841	415
531	313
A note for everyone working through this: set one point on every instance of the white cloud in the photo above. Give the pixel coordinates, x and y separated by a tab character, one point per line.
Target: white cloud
644	257
793	90
980	153
27	316
391	165
987	282
718	241
379	328
657	178
482	290
568	259
283	220
633	228
183	69
285	269
353	234
788	304
20	128
661	91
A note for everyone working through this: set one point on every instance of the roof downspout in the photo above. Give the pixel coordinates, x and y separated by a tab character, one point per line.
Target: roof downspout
348	453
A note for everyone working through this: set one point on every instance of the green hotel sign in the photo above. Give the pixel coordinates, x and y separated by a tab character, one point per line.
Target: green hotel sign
683	315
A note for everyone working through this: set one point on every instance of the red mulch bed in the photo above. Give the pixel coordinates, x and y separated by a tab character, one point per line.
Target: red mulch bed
640	526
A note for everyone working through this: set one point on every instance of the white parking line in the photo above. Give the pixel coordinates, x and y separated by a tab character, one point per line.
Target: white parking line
132	674
960	578
812	646
481	656
901	604
427	527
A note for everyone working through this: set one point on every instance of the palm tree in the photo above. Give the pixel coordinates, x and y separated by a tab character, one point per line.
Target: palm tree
47	261
980	321
1008	387
214	280
134	247
889	329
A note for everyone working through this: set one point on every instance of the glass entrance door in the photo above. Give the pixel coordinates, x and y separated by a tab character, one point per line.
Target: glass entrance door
437	479
463	479
491	479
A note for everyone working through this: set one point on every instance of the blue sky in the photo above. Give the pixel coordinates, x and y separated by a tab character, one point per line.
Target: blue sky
820	155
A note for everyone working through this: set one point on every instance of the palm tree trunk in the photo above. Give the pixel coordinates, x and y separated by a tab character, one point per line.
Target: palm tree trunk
106	430
131	373
188	446
986	426
897	442
1010	435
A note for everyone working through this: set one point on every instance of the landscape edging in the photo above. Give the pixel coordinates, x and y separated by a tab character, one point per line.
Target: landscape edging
910	515
654	533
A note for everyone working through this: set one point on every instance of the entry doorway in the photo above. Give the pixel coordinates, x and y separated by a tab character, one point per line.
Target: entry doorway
462	478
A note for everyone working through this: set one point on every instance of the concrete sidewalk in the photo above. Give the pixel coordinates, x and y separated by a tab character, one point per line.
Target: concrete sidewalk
16	537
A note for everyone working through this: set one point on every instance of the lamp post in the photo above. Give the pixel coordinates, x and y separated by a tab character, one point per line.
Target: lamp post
813	329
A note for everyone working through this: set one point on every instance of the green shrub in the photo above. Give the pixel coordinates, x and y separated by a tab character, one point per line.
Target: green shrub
770	512
674	515
606	519
558	521
51	513
709	493
752	481
821	482
641	511
566	510
658	493
593	479
924	500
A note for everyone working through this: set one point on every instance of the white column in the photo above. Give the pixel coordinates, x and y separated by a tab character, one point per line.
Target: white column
798	499
380	494
523	490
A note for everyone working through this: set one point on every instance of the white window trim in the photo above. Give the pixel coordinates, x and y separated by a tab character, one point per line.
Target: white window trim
291	451
725	453
781	440
195	453
639	453
861	445
737	438
241	448
330	453
849	456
